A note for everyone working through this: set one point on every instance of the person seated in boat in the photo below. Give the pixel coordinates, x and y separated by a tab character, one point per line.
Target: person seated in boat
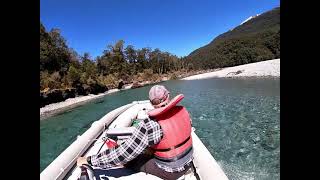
167	132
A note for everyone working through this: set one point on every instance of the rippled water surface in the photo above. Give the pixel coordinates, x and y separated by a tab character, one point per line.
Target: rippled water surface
237	119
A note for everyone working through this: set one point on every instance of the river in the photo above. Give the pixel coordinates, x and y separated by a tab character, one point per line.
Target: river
237	119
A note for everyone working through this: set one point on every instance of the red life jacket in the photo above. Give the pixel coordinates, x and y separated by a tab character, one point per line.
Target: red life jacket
175	123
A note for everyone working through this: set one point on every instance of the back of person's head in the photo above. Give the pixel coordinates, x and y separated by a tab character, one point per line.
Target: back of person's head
159	96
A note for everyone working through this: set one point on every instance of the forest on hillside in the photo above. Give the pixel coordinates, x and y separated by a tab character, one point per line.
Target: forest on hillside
62	67
256	40
64	73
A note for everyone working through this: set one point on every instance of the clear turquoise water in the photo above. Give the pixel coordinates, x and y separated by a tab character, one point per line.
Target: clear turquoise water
238	120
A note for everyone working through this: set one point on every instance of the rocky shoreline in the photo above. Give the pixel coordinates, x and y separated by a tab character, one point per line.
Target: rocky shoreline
75	101
270	68
60	107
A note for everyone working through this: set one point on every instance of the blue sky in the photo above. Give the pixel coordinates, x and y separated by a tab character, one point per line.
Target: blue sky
176	26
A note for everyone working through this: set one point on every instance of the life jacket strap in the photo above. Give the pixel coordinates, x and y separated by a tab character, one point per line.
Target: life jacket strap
174	158
173	147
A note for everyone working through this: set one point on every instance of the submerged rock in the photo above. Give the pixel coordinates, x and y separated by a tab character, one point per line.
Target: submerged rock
242	152
256	139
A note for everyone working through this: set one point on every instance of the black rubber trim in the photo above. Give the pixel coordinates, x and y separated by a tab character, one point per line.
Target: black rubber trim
195	171
119	134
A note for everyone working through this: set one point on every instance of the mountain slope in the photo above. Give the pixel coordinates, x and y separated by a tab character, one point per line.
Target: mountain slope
257	39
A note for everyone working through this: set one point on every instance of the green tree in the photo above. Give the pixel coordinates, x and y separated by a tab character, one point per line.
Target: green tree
73	75
89	69
54	53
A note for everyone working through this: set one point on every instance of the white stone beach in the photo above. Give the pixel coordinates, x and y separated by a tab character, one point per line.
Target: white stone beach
270	68
258	69
55	108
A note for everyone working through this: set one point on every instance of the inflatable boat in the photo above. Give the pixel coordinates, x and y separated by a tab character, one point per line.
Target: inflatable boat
120	123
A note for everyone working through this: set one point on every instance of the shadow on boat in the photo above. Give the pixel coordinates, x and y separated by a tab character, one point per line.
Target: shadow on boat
116	173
